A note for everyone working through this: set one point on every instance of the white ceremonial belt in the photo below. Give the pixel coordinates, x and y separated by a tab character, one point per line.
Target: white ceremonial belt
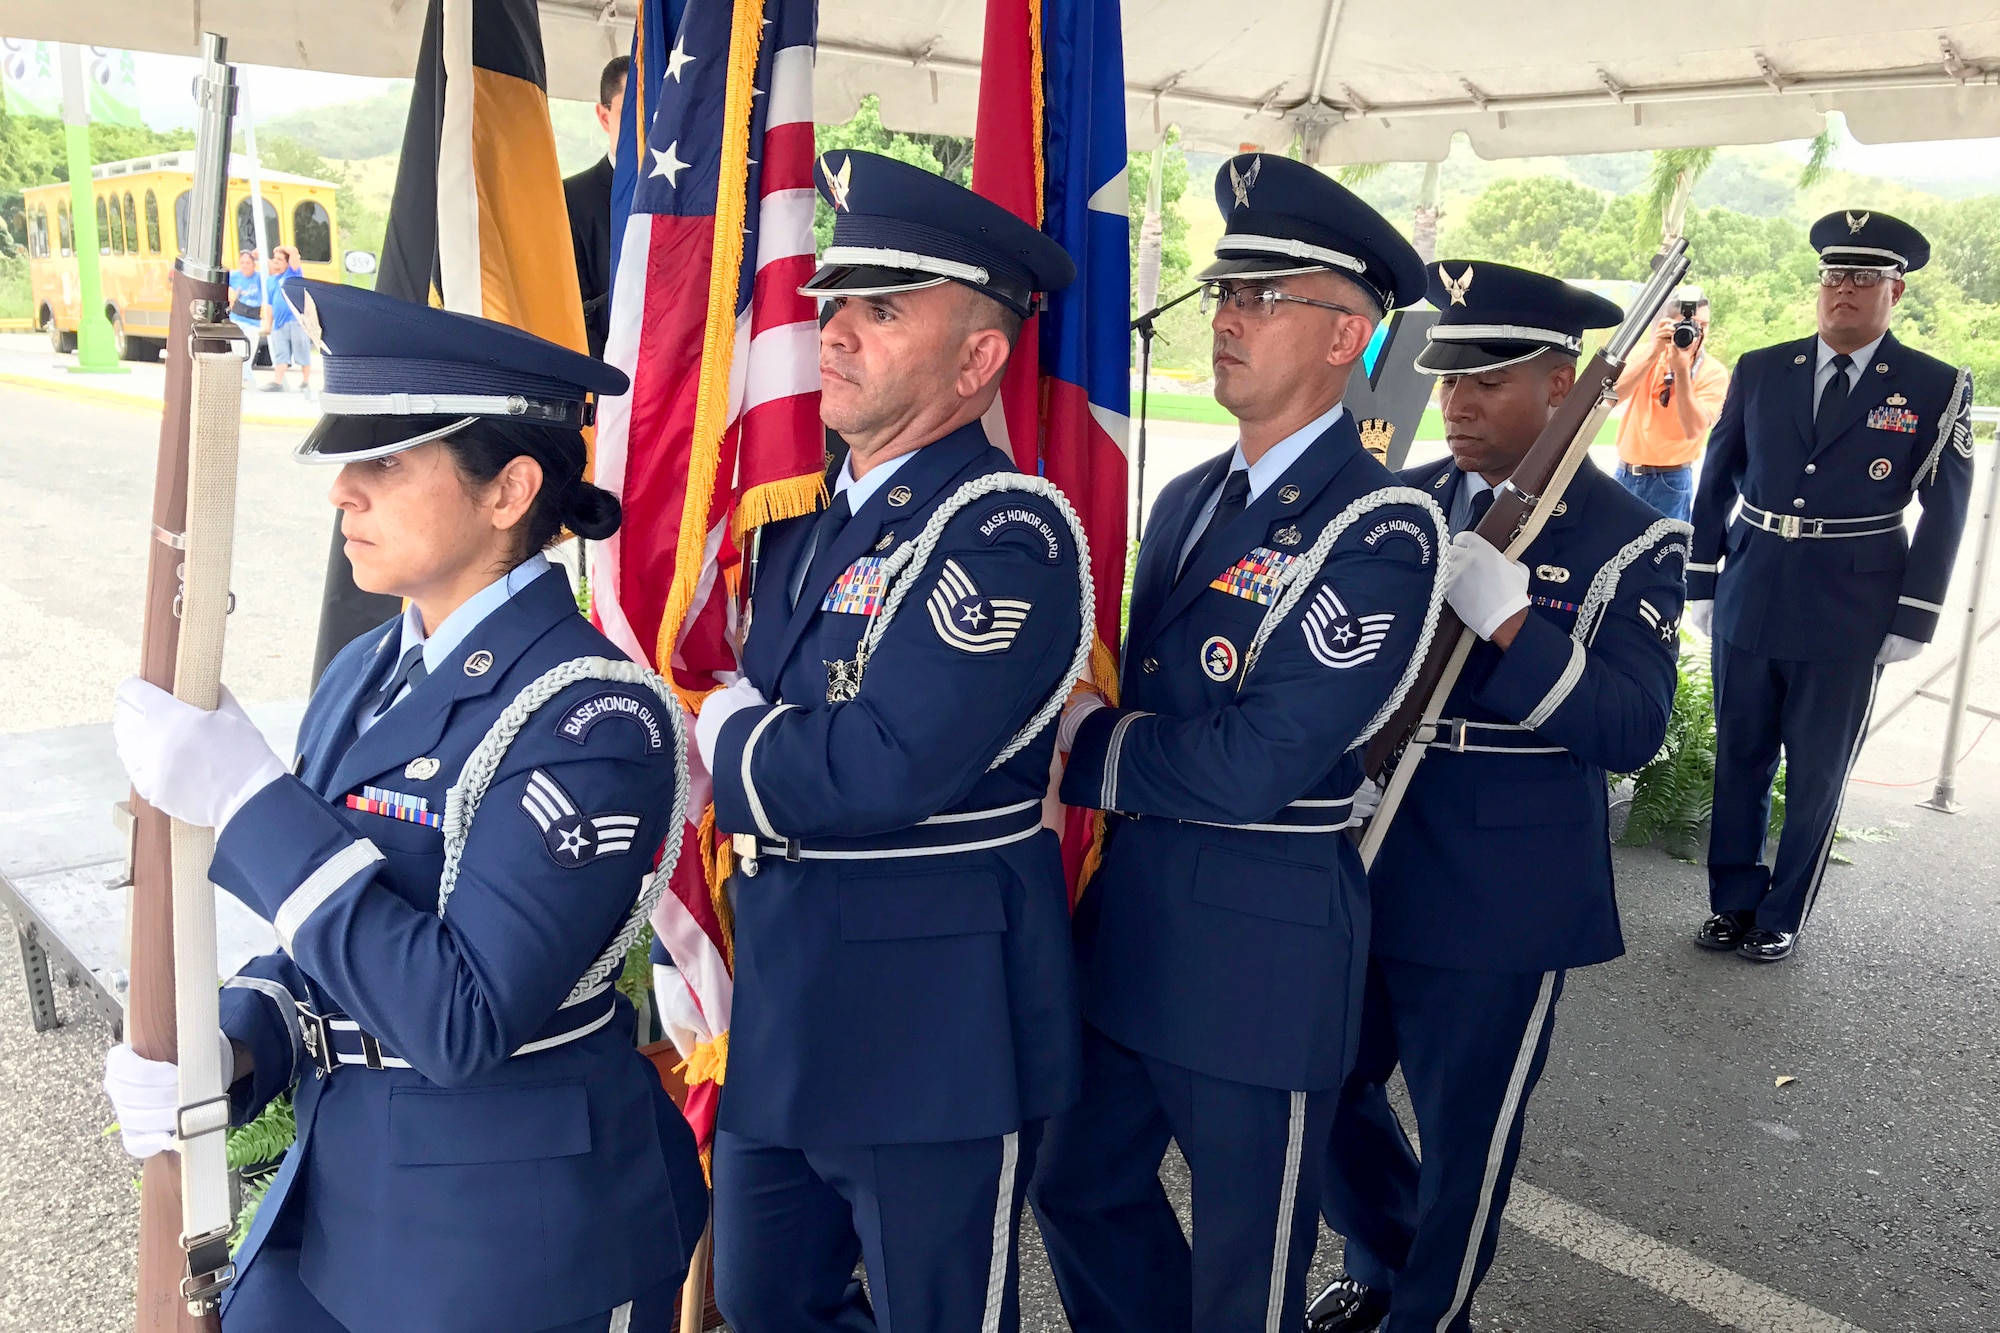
940	835
1456	734
333	1040
1302	816
1792	527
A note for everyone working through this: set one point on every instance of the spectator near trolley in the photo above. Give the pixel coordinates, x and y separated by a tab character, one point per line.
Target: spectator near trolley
1672	392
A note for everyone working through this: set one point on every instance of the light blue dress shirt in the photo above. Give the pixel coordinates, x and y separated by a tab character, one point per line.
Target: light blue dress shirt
1266	470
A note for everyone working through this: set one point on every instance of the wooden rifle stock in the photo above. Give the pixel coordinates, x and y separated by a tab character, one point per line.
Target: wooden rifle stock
1522	504
200	297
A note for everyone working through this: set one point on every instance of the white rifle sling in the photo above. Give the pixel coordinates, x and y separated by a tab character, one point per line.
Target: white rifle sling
462	801
206	1216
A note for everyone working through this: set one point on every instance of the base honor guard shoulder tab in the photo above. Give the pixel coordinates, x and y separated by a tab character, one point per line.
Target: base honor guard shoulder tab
576	723
1024	525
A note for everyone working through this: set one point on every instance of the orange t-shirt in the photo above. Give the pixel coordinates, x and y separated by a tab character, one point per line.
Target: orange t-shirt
1650	435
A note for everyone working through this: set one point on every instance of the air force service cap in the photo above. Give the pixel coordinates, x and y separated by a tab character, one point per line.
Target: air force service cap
398	374
1493	315
1848	239
897	228
1283	217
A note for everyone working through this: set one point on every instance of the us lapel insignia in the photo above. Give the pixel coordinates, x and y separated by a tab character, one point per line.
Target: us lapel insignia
1881	367
1879	469
1799	360
1287	535
1552	573
843	680
900	496
479	663
422	770
1287	494
1562	507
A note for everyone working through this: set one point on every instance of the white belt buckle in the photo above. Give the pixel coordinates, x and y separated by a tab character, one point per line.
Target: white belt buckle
1788	527
745	847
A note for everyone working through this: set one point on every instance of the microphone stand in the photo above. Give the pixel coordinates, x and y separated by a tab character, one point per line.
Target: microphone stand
1143	326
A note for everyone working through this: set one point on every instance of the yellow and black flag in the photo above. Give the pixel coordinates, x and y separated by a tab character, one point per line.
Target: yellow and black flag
477	223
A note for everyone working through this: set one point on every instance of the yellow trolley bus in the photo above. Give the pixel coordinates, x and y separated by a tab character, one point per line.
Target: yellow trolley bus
142	214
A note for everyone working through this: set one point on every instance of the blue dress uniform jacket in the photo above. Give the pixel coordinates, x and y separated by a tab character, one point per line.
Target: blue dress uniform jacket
1499	861
464	1186
1238	952
903	998
1905	431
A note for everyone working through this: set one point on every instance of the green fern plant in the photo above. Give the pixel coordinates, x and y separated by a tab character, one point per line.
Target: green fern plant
260	1143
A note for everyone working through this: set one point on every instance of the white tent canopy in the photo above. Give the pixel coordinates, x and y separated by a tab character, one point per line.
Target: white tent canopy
1357	80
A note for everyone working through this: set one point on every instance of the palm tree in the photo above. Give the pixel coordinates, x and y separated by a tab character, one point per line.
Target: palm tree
1675	171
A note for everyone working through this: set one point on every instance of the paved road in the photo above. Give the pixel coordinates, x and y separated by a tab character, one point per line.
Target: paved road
1670	1185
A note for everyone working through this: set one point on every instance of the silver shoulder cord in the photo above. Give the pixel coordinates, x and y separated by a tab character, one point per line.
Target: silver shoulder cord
462	801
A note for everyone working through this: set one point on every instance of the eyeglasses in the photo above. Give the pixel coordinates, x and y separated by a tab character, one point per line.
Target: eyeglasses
1259	301
1863	278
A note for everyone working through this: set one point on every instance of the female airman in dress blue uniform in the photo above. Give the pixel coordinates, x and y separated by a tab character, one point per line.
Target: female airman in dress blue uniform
479	1146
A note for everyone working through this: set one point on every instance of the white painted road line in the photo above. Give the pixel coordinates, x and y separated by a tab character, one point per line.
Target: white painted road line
1729	1298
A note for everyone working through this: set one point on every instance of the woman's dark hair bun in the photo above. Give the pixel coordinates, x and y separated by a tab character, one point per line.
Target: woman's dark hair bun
592	513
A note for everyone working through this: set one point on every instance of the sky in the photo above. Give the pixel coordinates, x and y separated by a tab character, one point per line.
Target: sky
166	103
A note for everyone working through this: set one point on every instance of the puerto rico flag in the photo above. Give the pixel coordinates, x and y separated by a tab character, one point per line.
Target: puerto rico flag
1051	146
720	432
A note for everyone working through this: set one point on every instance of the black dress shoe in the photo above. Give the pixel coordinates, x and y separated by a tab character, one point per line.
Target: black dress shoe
1767	946
1346	1306
1724	930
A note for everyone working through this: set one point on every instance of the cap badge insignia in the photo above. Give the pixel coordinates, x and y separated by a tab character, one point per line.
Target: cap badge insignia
1287	536
422	770
1456	287
1855	224
1552	573
888	539
1218	659
479	663
1287	494
837	181
899	496
1879	469
1241	182
1376	434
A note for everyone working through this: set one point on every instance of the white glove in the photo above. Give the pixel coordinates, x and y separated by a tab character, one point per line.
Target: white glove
1896	648
1487	588
146	1094
680	1016
193	765
1083	701
1366	798
1699	616
717	709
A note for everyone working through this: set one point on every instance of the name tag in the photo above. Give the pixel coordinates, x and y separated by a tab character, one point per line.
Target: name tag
395	805
1255	577
1899	419
858	590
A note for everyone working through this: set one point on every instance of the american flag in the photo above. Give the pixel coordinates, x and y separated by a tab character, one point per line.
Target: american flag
720	432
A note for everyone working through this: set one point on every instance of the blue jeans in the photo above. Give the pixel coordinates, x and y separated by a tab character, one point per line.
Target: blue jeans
1672	493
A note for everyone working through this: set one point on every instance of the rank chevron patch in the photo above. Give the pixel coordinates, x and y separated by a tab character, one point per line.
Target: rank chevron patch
969	620
573	838
1340	639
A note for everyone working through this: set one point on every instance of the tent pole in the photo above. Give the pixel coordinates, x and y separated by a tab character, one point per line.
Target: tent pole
1944	798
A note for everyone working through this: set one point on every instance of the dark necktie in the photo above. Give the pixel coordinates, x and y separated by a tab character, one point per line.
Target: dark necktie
1832	399
831	520
1208	551
1476	511
410	671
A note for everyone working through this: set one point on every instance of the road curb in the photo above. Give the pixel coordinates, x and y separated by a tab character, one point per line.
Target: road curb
137	401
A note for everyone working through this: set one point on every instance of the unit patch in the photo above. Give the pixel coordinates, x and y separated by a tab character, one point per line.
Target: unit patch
1400	527
996	525
1254	578
395	805
573	838
858	591
1218	659
968	619
1890	417
1879	469
577	723
1340	639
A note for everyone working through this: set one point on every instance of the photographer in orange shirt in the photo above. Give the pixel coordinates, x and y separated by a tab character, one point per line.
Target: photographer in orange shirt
1672	393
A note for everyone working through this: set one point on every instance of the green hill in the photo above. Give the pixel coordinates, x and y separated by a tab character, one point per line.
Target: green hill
372	127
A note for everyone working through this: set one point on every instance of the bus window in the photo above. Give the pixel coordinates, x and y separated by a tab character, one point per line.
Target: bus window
117	227
131	225
152	223
38	233
65	231
181	210
103	229
312	233
246	230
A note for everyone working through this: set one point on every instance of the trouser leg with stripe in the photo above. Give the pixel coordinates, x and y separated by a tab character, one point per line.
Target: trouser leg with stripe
1817	712
1472	1046
1120	1258
935	1226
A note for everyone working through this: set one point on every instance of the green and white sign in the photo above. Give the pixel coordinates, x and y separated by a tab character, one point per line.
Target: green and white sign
32	77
